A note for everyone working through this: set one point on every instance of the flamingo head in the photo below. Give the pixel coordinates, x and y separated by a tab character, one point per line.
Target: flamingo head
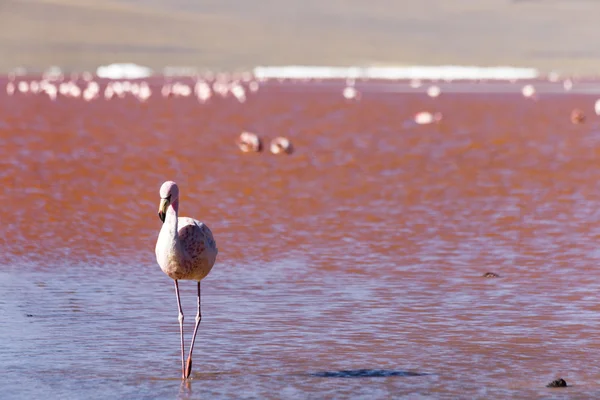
169	195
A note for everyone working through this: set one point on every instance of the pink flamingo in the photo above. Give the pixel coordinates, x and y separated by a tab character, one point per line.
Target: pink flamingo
281	145
577	116
249	142
434	91
185	249
425	117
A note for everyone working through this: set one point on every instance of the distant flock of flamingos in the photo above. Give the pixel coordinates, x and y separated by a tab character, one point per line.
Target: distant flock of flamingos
86	88
224	85
203	90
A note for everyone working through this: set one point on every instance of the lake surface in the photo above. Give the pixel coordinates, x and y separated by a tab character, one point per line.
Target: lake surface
349	269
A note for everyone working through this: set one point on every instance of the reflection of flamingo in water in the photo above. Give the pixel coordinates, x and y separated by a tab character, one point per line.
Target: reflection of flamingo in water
185	249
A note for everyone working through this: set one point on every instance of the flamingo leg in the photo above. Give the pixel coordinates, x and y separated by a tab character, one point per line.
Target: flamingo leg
180	328
188	369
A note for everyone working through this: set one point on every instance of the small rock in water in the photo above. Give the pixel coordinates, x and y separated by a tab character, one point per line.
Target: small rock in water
560	382
491	275
29	315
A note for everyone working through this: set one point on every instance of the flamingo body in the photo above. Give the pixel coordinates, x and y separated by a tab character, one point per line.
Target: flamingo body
281	145
189	255
249	142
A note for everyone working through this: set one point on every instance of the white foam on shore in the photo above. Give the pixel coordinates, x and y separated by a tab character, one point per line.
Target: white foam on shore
445	72
123	71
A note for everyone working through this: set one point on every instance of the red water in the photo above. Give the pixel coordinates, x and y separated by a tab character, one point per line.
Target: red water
351	268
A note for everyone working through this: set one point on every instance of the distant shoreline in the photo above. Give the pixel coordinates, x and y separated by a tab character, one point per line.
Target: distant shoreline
182	71
413	74
236	35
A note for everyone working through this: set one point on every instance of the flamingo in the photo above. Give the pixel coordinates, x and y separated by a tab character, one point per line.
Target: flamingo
528	91
281	145
577	116
425	117
253	86
434	91
350	93
185	250
249	142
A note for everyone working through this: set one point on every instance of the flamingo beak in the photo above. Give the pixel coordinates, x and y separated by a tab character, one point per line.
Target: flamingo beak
162	209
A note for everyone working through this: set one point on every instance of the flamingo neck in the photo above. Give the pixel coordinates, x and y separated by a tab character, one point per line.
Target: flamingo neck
169	228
